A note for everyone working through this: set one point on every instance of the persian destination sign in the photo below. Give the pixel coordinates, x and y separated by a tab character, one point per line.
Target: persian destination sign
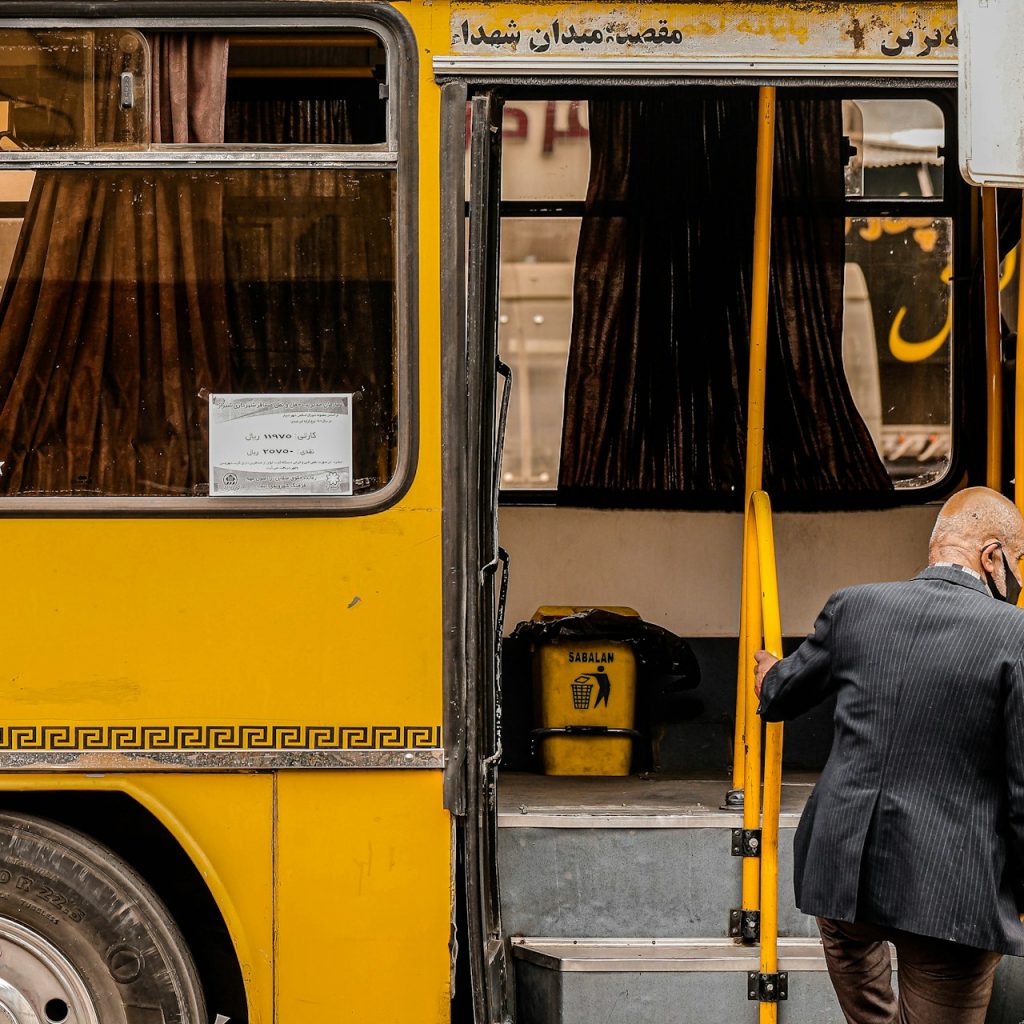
823	30
272	445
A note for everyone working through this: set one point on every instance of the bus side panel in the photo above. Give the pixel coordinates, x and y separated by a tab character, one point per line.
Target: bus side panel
363	895
225	824
161	625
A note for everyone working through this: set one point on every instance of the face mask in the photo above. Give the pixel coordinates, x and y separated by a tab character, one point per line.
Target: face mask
1012	586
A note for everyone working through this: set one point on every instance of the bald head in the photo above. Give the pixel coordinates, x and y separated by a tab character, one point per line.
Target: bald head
975	527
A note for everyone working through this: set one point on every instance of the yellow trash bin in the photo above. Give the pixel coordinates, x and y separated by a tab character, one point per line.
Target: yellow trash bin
585	701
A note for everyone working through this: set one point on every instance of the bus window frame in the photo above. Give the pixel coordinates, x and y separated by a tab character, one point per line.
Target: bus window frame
954	203
399	154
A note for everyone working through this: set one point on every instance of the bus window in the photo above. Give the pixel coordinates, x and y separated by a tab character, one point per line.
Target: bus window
134	292
545	169
323	90
897	336
897	329
534	321
545	153
73	90
896	311
895	148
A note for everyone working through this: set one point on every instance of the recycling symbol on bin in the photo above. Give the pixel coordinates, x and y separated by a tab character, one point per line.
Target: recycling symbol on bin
583	689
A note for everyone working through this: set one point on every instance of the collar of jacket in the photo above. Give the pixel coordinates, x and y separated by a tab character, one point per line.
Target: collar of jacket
951	574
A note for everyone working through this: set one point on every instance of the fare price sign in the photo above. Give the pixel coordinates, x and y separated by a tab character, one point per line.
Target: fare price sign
280	445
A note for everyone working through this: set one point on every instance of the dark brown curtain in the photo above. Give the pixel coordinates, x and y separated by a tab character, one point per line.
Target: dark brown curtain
310	279
113	325
657	375
133	295
297	121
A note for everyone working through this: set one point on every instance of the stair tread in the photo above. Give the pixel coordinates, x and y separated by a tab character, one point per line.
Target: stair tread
707	954
545	801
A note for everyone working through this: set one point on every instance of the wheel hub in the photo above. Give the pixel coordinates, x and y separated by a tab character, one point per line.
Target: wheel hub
38	984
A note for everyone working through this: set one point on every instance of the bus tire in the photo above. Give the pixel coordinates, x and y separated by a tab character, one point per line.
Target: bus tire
83	939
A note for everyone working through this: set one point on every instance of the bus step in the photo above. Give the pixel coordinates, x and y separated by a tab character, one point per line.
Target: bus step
690	981
629	858
663	981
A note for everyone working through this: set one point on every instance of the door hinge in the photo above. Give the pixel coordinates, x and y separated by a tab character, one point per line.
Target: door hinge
768	988
746	842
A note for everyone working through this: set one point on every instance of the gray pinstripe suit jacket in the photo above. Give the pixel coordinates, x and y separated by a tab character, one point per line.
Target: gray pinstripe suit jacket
917	821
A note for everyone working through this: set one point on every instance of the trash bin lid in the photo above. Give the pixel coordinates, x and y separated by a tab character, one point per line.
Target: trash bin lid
547	612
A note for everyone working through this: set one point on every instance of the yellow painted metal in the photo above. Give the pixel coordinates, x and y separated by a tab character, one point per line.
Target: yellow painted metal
749	643
567	689
993	343
742	677
548	612
1018	402
585	683
178	622
224	822
271	622
363	911
759	288
766	592
748	753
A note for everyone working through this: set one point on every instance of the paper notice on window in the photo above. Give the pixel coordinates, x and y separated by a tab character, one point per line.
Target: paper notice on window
280	445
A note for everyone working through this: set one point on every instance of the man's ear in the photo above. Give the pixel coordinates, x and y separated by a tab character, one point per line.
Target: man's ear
990	558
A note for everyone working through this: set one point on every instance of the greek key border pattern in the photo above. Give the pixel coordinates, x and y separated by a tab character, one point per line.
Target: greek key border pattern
219	737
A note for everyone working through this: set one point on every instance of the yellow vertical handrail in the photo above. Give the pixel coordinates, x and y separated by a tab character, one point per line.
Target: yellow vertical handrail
1018	398
759	288
764	589
993	342
747	749
749	643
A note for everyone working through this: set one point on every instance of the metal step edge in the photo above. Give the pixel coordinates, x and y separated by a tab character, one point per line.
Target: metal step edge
603	955
630	820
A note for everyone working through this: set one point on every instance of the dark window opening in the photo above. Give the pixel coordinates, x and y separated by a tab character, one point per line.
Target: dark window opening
864	246
310	91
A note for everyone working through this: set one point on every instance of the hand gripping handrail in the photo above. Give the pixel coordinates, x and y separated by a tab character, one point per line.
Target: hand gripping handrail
761	599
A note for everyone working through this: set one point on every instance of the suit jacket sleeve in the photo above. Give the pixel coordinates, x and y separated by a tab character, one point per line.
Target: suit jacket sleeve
1014	719
803	679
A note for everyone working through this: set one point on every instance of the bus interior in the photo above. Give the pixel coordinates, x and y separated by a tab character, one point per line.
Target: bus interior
623	461
623	287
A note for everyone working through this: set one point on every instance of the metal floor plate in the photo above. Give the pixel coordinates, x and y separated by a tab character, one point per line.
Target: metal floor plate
605	955
547	801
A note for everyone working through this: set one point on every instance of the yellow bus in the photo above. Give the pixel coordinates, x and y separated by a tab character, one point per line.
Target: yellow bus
269	268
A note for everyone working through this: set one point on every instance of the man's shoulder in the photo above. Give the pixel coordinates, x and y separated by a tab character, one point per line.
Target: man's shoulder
865	597
861	593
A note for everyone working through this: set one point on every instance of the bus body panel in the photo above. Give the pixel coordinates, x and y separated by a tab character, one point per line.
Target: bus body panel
363	911
181	623
225	823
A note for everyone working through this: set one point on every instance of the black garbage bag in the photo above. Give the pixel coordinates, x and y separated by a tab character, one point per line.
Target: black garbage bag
666	670
664	660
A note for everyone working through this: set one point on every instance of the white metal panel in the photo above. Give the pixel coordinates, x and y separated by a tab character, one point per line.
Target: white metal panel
992	92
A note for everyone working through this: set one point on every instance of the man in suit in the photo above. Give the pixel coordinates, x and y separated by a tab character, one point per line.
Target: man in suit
914	833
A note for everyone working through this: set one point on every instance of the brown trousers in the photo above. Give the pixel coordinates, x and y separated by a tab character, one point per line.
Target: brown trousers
939	982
